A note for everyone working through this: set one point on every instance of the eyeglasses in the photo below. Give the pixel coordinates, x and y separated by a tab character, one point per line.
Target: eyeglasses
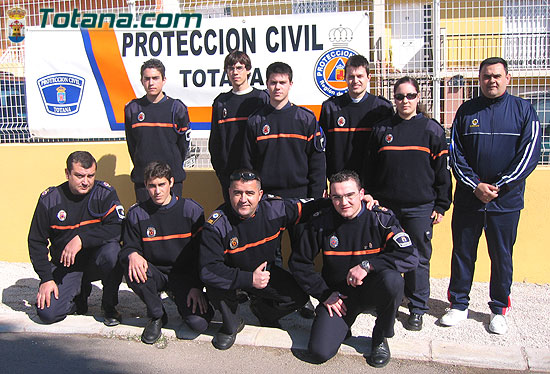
244	175
349	196
238	69
409	96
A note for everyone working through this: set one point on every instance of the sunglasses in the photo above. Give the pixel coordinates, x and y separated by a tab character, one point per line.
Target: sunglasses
245	176
409	96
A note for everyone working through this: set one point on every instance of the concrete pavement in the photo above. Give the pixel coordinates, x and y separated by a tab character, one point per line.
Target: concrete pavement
525	347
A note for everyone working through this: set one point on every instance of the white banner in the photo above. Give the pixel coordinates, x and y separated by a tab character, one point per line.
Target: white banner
78	80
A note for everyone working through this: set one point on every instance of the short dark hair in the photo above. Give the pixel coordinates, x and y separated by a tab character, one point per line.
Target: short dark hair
237	57
157	169
153	63
279	68
493	61
245	175
345	175
83	158
357	61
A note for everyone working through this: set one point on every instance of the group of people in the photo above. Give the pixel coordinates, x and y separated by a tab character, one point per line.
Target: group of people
389	183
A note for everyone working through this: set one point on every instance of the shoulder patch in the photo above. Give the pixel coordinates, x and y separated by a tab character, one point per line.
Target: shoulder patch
402	239
214	217
378	208
273	197
46	191
105	185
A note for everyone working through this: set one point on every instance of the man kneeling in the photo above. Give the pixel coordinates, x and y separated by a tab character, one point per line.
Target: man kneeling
160	253
364	253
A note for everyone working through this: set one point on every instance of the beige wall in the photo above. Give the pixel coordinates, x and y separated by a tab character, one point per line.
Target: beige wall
27	170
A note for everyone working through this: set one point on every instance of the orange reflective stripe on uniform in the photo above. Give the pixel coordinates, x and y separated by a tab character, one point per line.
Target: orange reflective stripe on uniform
167	237
249	245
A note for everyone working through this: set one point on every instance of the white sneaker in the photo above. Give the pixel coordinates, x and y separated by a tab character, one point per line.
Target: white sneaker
498	324
453	316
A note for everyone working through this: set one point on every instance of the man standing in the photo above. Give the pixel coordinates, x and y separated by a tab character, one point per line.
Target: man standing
230	112
81	219
238	251
495	145
364	253
160	253
347	119
286	145
157	128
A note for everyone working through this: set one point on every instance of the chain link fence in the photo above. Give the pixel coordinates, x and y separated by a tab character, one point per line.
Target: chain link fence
441	43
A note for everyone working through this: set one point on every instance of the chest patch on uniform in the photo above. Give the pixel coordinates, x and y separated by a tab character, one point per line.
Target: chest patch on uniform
266	129
402	239
389	138
333	242
213	218
475	123
341	121
151	232
141	116
234	243
120	211
224	112
62	215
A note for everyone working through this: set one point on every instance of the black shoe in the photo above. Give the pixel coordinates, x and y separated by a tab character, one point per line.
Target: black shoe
223	341
81	304
308	311
414	322
264	322
379	354
111	316
153	330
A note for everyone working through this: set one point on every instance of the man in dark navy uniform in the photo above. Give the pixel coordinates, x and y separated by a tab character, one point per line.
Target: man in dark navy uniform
230	112
160	253
238	251
364	253
157	129
81	219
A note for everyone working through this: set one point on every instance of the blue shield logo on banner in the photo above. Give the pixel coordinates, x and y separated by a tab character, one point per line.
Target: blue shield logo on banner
61	93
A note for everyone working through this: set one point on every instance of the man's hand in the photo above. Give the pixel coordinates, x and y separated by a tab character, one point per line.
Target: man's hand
69	252
486	192
369	201
355	276
436	217
196	297
260	277
45	293
137	268
335	303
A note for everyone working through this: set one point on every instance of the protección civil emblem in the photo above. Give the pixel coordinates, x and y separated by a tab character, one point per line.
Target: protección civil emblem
266	129
62	215
329	71
234	243
61	93
151	232
333	242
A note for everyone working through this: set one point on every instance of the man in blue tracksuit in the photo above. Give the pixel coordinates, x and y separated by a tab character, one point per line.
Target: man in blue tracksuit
495	145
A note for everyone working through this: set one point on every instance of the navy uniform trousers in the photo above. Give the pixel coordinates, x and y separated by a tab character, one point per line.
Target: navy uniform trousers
158	281
417	222
382	290
500	232
102	263
280	297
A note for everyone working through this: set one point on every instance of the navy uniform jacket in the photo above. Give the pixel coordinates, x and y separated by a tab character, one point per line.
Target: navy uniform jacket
495	141
230	113
232	248
407	163
60	216
348	126
166	236
374	235
286	147
157	132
